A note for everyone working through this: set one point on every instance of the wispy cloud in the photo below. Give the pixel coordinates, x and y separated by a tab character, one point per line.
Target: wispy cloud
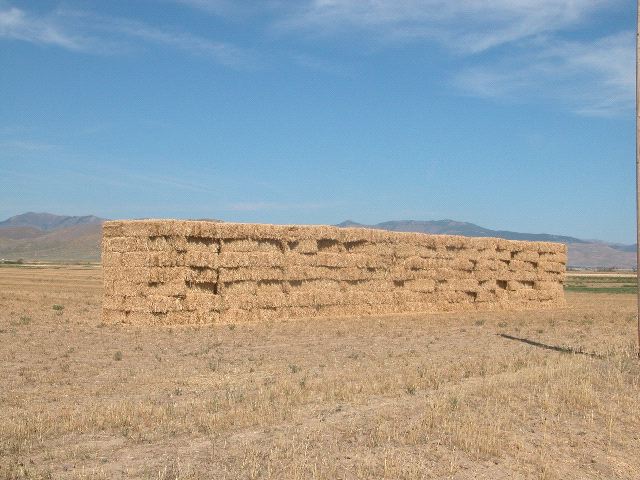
463	25
512	49
594	77
89	33
19	25
503	49
322	65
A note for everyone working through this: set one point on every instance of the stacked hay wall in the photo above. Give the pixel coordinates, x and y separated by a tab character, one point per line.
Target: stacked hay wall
185	272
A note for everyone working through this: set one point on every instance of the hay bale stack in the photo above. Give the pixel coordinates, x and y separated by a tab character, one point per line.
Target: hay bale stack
186	272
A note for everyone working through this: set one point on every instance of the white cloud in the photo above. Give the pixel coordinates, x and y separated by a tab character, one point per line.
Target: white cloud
591	77
463	25
18	25
514	49
89	33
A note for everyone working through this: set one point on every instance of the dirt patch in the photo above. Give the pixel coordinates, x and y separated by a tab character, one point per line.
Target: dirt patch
417	396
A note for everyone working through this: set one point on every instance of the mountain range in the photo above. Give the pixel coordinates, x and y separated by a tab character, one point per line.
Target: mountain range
49	237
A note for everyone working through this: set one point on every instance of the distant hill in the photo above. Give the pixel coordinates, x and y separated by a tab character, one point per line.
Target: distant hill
49	221
582	253
453	227
48	237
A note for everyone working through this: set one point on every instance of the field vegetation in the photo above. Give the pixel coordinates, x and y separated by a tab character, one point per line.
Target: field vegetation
601	283
551	394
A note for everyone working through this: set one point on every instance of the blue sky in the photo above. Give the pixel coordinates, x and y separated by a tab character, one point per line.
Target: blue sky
512	114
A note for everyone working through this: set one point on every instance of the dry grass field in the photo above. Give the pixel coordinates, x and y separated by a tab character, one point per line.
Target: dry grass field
397	397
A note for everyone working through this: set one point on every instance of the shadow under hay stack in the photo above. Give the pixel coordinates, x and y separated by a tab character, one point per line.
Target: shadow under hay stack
188	272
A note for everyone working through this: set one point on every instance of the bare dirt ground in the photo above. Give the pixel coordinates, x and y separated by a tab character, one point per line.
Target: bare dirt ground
406	397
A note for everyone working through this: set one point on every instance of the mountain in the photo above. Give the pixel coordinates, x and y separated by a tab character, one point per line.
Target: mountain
48	237
49	221
581	253
453	227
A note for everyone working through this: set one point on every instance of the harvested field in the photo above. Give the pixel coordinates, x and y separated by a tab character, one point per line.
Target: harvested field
448	395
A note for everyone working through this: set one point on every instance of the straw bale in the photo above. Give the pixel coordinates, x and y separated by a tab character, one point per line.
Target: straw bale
401	250
368	285
486	296
484	275
127	287
316	284
546	247
113	302
347	310
299	312
111	259
305	245
238	274
401	297
547	285
230	231
247	245
112	228
240	315
550	276
488	285
251	259
527	256
301	298
297	272
144	274
519	265
554	257
488	264
270	286
355	273
368	248
520	285
293	272
152	303
201	258
205	244
202	302
462	264
257	300
164	272
527	294
242	287
123	244
168	258
139	228
201	275
467	285
419	263
421	285
552	267
524	275
330	245
399	274
322	259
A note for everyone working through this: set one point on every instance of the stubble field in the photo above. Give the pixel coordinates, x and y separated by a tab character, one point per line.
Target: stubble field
537	394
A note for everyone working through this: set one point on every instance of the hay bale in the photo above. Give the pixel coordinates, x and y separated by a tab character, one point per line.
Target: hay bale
164	272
